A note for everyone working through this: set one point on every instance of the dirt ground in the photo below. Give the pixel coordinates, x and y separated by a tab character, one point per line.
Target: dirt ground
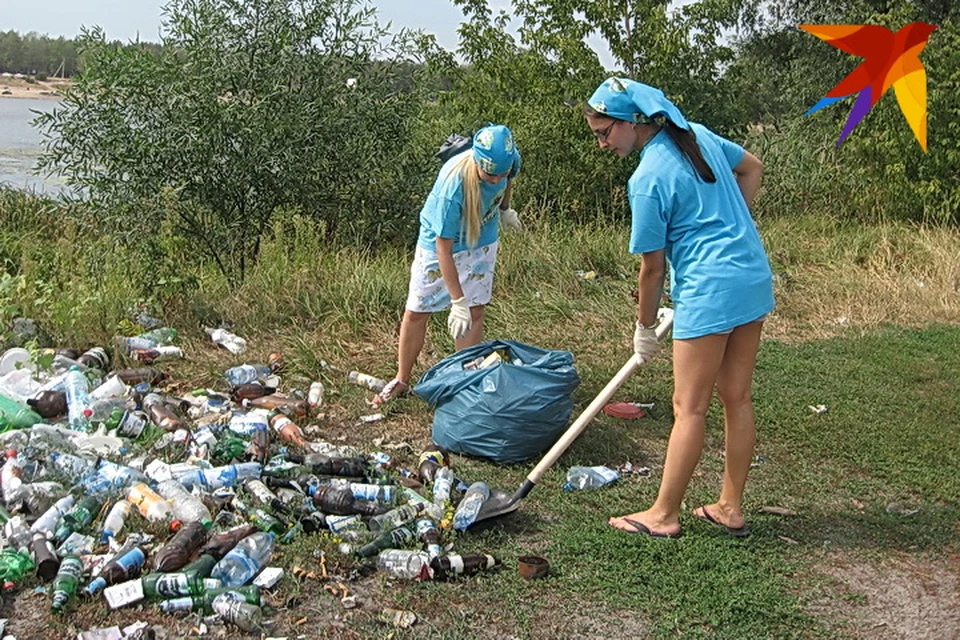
19	88
898	597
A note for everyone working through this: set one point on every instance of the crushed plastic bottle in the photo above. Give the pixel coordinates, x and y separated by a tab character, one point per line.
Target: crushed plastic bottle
229	341
469	506
244	561
79	408
589	477
365	380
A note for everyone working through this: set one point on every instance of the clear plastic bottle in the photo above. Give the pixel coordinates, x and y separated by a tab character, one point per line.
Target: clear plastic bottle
315	394
49	521
79	408
368	381
229	341
244	561
589	477
395	517
113	523
442	486
469	506
71	466
186	506
11	479
245	374
148	339
404	564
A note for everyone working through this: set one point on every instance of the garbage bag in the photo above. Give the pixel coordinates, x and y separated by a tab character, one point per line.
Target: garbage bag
511	410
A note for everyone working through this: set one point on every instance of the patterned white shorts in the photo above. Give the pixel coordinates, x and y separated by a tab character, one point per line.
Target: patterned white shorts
428	293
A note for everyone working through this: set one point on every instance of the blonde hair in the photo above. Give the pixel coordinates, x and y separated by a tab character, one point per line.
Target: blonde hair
470	178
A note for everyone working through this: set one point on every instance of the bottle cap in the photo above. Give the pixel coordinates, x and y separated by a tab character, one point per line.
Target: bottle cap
175	525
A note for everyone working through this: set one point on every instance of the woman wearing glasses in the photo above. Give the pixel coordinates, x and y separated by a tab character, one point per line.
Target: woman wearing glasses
457	248
689	198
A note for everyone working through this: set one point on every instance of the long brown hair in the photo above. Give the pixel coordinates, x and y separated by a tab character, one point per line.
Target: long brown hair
685	139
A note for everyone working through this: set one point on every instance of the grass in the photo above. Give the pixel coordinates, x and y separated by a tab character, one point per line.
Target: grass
889	374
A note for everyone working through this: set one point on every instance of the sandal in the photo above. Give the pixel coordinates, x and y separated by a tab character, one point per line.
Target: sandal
396	388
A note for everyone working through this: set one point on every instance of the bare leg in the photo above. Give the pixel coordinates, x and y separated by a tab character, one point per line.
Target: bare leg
696	363
734	384
413	330
475	334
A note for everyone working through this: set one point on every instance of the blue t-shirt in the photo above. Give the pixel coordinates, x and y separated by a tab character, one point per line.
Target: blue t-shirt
720	276
442	213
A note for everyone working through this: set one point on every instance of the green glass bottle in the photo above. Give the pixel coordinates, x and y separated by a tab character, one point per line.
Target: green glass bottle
204	601
158	586
67	580
393	539
78	517
203	565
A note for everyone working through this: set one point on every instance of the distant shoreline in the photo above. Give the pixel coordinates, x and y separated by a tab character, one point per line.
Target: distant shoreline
18	88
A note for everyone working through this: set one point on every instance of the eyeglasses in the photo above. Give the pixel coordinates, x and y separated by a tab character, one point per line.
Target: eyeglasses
603	134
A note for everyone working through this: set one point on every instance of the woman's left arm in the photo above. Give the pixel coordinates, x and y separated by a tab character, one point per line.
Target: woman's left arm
748	173
505	203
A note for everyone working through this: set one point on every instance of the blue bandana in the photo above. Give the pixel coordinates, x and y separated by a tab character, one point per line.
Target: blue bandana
493	149
634	101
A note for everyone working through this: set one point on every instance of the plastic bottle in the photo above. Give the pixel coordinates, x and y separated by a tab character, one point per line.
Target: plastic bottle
404	564
124	566
315	394
321	464
186	506
222	543
48	522
395	517
392	539
49	403
204	601
288	430
44	557
244	561
442	486
113	523
40	495
11	481
429	535
160	353
160	414
453	565
245	374
340	501
176	553
151	506
157	586
79	407
71	466
18	535
368	381
469	506
589	477
264	495
274	402
231	342
148	339
66	581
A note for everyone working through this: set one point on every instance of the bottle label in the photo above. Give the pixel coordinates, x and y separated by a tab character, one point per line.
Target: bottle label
177	604
260	491
372	492
338	524
456	563
131	425
125	593
173	584
131	559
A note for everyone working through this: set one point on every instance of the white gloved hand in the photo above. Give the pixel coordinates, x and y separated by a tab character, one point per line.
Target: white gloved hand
645	343
510	220
459	320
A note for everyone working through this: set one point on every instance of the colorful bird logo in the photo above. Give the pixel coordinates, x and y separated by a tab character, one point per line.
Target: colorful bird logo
891	59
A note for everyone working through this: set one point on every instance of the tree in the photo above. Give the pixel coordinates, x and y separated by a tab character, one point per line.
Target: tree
246	109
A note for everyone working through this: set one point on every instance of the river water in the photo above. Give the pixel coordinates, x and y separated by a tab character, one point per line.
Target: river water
20	145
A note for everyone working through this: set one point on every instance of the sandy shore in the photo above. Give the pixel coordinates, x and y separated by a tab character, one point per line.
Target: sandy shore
20	88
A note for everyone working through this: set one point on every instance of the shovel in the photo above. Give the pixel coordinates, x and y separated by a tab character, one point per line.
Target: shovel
501	502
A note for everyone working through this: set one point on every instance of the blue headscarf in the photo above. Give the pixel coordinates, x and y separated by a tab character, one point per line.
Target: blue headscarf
634	101
493	149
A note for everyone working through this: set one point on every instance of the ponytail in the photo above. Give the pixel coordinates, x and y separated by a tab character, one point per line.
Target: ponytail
686	141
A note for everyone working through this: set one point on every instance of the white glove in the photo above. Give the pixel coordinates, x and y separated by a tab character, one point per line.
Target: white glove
459	320
510	220
645	343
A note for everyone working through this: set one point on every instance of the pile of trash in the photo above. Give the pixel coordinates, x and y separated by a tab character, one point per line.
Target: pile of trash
94	455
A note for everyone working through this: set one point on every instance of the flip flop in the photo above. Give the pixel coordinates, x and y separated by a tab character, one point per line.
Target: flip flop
642	529
741	532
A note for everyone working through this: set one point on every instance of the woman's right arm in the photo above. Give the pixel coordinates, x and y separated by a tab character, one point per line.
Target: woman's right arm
448	269
748	173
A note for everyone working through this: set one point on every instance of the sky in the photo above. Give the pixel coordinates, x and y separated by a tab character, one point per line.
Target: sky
127	19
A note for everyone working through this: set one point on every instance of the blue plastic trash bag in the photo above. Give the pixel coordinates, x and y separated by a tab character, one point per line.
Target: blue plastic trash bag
514	408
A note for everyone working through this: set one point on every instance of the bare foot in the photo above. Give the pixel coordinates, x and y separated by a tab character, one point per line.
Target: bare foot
656	525
729	517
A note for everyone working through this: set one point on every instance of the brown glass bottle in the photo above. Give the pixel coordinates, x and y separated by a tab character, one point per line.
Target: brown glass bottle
43	555
221	544
142	374
250	391
161	414
327	466
178	550
273	402
340	501
453	565
49	404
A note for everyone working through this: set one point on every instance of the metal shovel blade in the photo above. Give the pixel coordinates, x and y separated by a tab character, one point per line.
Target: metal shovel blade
501	502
